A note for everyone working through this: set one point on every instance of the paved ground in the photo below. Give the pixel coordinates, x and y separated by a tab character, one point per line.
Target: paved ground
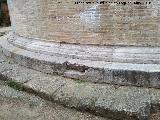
16	105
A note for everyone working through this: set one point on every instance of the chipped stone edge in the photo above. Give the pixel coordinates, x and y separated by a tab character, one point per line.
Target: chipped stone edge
106	111
93	71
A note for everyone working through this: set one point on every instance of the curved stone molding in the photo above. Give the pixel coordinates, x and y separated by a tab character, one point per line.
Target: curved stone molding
94	71
122	54
113	43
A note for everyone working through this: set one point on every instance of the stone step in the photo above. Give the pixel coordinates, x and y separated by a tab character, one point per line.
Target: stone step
115	73
110	101
18	105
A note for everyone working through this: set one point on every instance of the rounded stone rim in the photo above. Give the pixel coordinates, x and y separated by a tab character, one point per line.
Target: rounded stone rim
120	54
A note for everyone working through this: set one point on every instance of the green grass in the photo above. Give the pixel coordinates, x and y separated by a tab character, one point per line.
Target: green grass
15	85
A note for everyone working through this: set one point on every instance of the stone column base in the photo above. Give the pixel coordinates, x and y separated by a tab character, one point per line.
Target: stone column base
120	65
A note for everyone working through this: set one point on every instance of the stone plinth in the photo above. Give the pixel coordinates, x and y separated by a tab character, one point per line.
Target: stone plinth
113	42
55	46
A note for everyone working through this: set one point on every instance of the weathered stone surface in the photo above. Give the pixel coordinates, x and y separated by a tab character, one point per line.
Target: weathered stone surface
134	100
17	105
12	71
124	54
117	102
88	70
111	23
48	87
10	93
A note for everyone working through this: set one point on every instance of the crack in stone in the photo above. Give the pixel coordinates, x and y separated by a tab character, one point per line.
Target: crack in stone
59	88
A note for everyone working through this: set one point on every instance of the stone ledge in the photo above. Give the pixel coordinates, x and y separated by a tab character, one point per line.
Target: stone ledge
116	102
146	75
18	105
122	54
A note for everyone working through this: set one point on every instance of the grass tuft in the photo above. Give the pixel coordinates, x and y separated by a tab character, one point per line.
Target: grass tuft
15	85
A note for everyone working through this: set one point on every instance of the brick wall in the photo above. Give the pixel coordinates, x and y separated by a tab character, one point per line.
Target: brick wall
105	24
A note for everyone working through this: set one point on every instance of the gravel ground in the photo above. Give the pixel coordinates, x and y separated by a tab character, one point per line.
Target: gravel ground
155	116
18	110
16	105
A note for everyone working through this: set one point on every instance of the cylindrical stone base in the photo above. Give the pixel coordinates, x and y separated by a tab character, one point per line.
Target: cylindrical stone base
108	22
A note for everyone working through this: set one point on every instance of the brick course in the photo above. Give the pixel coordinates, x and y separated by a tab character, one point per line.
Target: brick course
104	24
